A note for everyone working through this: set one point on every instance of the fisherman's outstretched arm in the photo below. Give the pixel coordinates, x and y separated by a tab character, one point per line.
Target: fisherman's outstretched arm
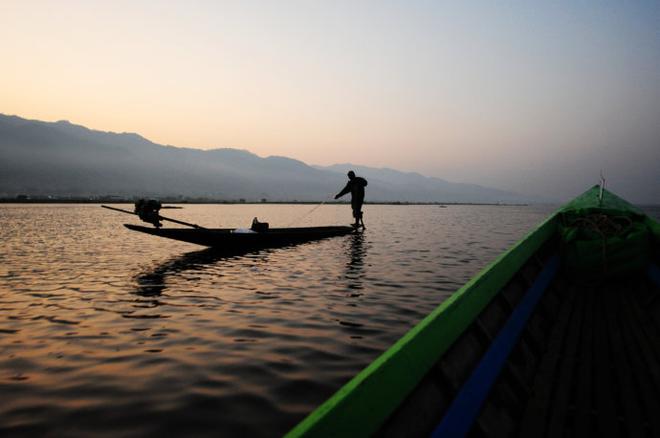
344	191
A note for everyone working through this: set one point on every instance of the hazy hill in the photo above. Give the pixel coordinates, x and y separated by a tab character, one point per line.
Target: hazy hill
41	158
412	185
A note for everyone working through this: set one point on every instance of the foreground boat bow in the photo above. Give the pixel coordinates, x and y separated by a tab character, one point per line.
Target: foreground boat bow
559	335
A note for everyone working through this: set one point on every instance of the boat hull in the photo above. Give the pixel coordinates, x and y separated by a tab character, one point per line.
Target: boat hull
227	239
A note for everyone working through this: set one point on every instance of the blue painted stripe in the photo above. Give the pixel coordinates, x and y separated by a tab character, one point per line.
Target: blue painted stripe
463	411
654	273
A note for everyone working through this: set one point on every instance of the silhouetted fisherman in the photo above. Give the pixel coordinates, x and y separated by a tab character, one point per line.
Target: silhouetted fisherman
356	186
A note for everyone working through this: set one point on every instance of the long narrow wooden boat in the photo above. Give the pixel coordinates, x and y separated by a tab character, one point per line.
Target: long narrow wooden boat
230	240
559	336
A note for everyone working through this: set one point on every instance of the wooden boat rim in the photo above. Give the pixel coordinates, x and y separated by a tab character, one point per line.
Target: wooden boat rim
152	230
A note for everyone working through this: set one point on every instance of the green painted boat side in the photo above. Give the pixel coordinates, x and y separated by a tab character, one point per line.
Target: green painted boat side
361	406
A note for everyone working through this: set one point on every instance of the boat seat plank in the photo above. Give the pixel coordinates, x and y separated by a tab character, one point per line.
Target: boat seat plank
647	337
643	368
600	373
631	406
534	418
565	380
606	412
641	312
584	399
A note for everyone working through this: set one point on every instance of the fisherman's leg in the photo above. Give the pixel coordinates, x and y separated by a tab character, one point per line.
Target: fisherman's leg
356	215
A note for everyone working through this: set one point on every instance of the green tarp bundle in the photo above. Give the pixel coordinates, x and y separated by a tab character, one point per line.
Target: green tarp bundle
603	237
588	253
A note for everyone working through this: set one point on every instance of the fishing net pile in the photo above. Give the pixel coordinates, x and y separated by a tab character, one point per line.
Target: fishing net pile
602	243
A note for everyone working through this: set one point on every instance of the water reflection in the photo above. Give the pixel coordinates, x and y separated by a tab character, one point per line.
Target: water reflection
152	282
354	273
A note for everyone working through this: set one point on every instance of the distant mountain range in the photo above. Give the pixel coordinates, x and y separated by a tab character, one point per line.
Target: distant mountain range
62	159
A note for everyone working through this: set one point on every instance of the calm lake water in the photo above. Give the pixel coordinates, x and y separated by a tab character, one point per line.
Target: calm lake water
105	331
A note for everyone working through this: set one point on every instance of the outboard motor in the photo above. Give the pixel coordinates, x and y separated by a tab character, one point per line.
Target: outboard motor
148	211
259	227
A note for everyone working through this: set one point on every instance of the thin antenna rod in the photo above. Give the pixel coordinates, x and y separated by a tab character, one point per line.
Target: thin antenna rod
602	187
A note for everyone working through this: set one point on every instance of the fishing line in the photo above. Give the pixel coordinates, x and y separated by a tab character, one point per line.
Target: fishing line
299	219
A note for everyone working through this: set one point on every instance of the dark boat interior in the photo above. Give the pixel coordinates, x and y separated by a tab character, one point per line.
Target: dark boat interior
586	363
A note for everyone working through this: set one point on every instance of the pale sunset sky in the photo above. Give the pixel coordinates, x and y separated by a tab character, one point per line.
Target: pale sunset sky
535	97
